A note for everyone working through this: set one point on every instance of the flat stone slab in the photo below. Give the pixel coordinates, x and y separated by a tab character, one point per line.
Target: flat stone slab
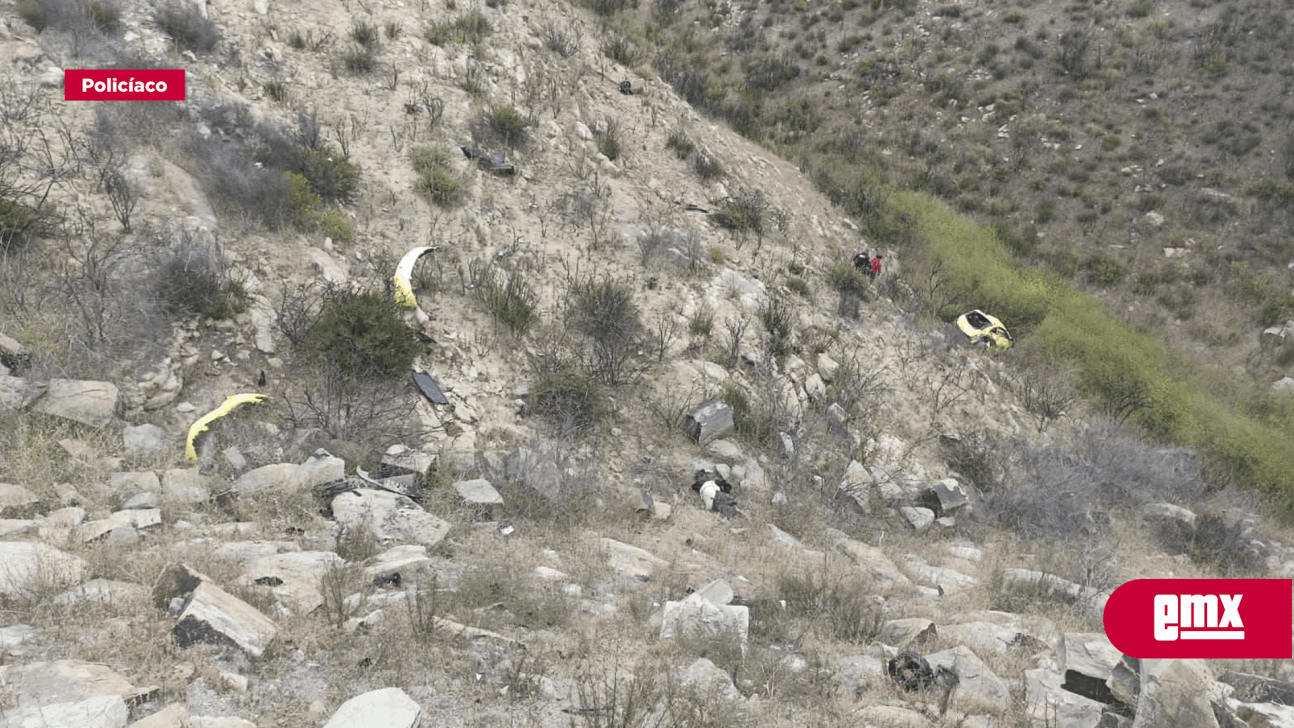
101	711
29	566
65	682
213	615
103	591
478	492
390	517
15	497
134	518
298	576
404	458
406	558
1051	705
631	560
388	707
977	687
90	403
696	617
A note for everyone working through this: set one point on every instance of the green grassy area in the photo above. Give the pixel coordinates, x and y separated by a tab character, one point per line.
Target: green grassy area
1130	374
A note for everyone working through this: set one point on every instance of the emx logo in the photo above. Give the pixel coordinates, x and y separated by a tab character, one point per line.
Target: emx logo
1202	618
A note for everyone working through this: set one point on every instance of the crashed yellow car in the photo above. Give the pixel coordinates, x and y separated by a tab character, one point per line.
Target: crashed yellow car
982	328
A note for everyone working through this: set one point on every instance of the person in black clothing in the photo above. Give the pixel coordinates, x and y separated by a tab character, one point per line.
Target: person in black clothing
863	262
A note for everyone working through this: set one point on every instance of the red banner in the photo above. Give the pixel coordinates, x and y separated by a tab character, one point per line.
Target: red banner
1202	618
101	84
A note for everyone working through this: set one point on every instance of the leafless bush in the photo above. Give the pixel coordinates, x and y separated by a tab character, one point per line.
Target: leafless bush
1046	395
187	26
606	316
1061	492
373	412
36	154
562	40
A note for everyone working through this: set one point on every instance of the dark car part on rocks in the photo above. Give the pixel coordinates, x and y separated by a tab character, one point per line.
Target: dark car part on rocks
496	162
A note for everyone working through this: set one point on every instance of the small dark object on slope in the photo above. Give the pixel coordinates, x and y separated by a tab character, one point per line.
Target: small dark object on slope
911	671
430	387
260	381
626	88
387	578
496	162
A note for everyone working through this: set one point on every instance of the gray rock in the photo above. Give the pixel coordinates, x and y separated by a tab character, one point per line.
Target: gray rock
321	467
891	716
1168	512
388	707
141	501
142	440
1255	689
90	403
710	420
132	519
129	483
103	592
631	560
246	552
269	479
295	577
17	393
977	687
66	693
478	492
405	458
101	711
183	486
1176	693
535	470
717	592
1049	704
870	559
212	615
16	634
11	527
15	498
1085	661
389	516
919	518
235	458
695	618
172	716
29	567
944	497
709	681
902	632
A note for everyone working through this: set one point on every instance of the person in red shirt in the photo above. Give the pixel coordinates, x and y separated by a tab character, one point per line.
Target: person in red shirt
876	268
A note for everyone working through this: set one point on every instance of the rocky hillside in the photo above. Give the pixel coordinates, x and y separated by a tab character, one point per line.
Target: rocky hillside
692	469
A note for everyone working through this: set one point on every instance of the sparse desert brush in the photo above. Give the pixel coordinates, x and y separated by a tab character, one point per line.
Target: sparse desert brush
502	125
70	15
363	335
569	399
187	26
510	298
436	178
606	315
196	286
470	29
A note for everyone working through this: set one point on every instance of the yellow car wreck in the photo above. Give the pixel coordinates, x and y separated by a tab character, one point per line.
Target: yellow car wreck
982	328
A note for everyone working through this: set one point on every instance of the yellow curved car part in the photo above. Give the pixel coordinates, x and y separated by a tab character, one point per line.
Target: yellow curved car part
403	286
979	326
200	426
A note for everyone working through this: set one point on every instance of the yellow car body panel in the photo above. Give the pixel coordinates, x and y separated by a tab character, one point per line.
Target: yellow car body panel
403	274
981	327
200	426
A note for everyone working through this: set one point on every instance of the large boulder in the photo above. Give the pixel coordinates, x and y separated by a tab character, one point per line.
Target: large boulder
390	517
710	420
1176	693
388	707
696	618
29	568
206	613
295	577
90	403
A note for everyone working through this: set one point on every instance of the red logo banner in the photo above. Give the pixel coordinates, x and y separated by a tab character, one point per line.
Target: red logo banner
102	84
1202	618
